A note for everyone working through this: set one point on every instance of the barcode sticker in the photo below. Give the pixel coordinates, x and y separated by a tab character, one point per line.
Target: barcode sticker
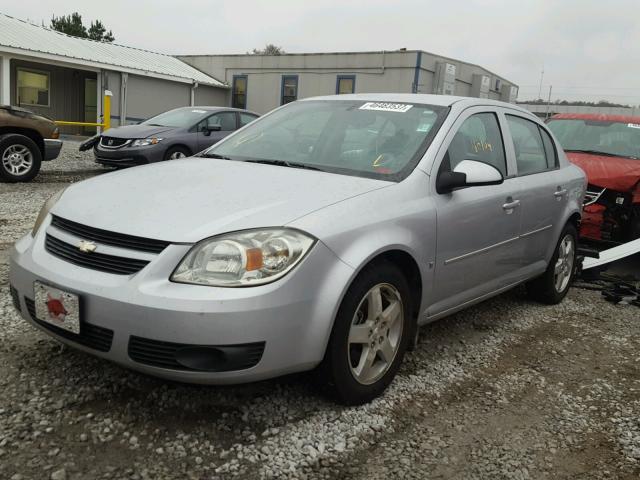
386	107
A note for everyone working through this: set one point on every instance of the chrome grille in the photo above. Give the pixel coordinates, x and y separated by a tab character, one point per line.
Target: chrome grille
93	260
113	142
109	238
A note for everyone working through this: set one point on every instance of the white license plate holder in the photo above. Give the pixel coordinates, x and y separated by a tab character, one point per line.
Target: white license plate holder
57	307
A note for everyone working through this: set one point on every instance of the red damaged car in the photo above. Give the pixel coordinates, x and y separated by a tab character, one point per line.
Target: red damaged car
607	148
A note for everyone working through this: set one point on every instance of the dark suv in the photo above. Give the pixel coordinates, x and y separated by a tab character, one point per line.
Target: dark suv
26	139
177	133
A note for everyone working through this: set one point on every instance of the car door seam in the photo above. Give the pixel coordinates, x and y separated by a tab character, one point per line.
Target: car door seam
495	245
482	250
537	230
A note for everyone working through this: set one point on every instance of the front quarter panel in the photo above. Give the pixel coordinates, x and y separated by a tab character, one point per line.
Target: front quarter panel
398	217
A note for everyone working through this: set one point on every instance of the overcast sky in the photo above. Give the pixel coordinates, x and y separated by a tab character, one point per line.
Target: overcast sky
590	49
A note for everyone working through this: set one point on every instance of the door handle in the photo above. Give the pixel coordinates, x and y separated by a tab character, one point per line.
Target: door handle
561	192
511	205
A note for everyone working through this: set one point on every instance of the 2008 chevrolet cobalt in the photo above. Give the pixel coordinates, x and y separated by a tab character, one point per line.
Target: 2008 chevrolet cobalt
317	237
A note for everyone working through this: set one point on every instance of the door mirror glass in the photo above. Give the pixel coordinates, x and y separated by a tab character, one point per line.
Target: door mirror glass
468	173
207	128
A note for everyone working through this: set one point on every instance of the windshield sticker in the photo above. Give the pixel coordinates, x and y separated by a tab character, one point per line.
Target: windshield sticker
386	107
633	125
198	111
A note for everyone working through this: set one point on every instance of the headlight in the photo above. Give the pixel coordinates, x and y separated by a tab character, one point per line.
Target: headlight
143	142
251	257
44	211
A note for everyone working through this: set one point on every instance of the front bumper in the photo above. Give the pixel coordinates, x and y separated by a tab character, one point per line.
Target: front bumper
285	324
128	156
51	148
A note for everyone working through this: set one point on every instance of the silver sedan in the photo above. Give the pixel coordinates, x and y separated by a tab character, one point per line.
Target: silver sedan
319	237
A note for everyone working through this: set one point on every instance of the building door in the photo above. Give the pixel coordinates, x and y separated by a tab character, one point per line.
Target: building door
90	104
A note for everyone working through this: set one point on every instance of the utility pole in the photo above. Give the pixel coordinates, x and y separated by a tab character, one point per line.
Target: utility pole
548	102
541	77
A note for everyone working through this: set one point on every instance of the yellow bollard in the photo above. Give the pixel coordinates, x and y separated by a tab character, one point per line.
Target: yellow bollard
107	110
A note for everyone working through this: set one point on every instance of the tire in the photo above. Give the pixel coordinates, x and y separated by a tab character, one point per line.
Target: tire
352	372
552	286
20	158
175	153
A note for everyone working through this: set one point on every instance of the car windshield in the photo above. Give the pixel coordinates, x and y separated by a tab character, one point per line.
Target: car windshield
180	117
621	139
367	139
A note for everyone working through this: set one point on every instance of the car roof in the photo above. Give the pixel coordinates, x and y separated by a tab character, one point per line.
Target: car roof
603	117
210	108
427	99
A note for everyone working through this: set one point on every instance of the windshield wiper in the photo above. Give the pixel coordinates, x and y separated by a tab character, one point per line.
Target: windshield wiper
283	163
598	152
215	155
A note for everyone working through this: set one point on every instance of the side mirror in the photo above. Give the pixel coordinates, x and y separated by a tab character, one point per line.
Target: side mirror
468	173
207	129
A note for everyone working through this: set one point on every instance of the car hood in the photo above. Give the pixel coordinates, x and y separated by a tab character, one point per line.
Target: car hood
617	173
137	131
189	200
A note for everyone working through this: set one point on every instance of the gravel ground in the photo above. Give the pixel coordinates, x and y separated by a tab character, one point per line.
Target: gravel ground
507	389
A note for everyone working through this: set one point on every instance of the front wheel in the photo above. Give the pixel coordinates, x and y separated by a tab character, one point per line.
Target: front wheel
20	158
552	286
370	336
176	153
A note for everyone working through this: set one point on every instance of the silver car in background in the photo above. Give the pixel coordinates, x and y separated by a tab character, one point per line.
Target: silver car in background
317	237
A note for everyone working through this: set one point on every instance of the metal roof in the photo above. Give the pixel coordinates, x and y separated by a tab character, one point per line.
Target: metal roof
25	36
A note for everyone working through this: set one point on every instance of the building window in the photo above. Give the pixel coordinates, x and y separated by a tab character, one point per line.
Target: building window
345	84
33	87
239	92
289	89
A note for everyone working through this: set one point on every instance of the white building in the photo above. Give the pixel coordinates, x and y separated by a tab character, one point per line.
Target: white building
263	82
64	77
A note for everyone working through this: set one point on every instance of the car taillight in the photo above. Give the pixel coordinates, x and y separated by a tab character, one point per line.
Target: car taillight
56	133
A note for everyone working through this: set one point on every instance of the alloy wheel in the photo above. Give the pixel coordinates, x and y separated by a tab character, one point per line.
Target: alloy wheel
564	265
375	333
176	155
17	160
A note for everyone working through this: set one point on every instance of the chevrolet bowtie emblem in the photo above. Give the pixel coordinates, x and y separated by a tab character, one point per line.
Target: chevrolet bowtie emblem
87	247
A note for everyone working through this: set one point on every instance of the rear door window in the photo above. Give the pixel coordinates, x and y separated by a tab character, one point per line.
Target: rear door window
246	118
549	149
528	145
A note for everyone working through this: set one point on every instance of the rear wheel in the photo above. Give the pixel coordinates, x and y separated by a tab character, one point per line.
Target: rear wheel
370	336
552	286
20	158
176	153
